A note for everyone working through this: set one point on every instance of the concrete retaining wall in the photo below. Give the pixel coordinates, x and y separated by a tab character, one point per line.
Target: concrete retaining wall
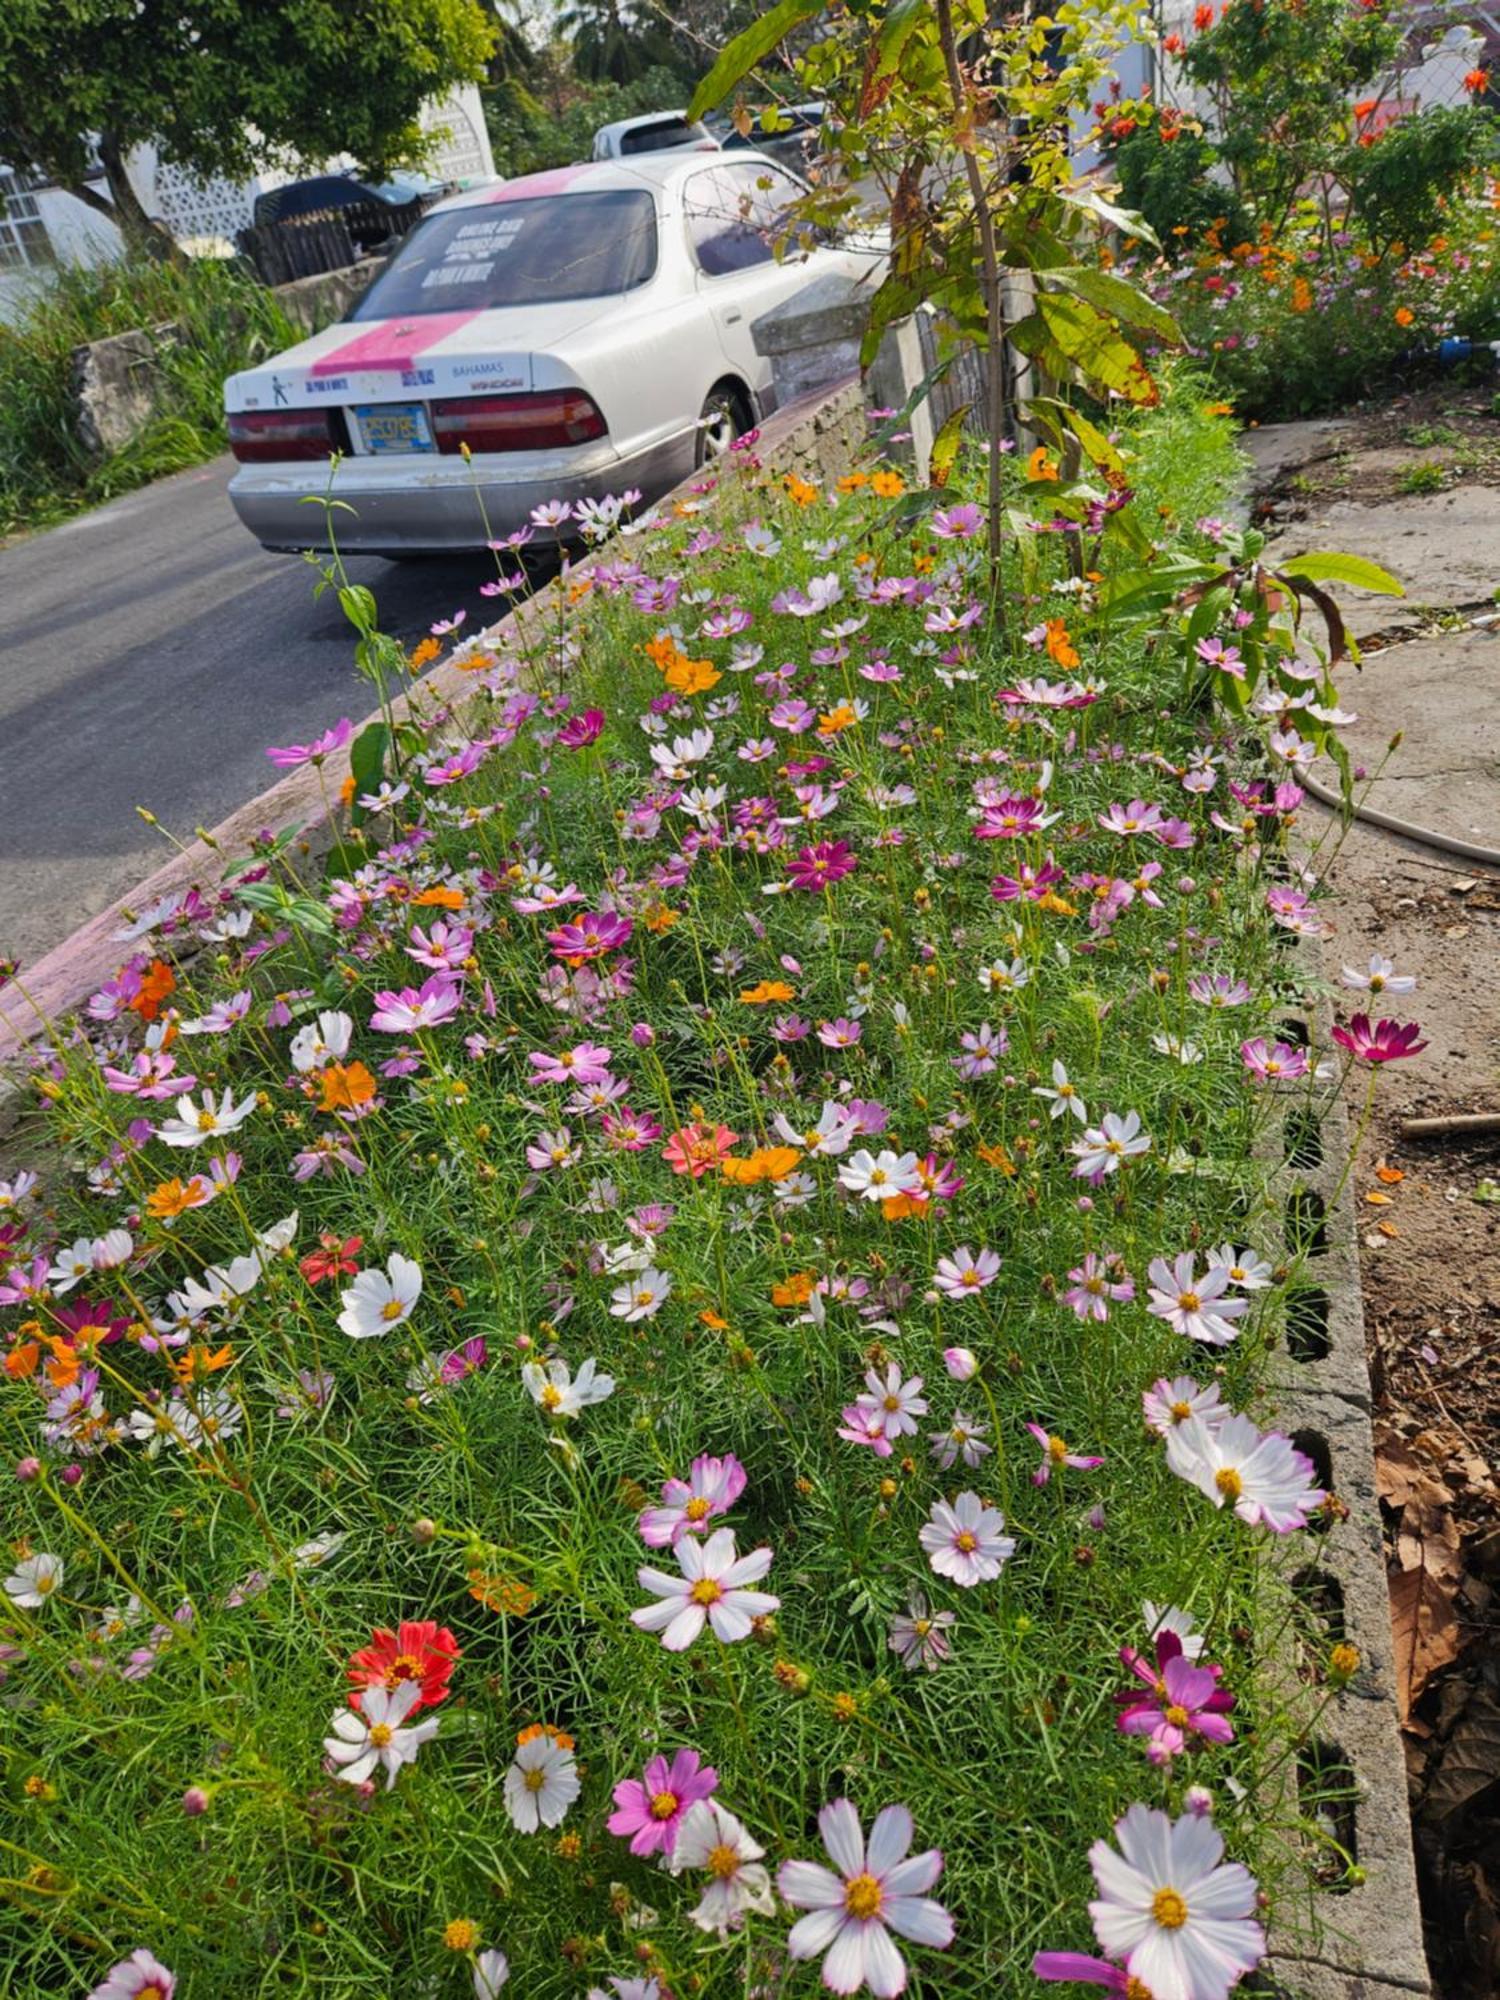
116	383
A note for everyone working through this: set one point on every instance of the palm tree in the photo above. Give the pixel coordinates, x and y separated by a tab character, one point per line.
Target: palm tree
610	45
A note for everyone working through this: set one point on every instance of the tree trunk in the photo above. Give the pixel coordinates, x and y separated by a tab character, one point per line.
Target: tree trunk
140	232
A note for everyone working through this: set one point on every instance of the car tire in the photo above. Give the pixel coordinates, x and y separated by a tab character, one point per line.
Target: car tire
724	417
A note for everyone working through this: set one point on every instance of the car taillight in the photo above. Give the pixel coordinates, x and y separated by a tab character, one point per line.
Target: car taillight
260	437
539	421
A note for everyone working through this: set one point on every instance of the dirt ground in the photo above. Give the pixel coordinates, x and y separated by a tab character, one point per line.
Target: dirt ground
1428	1209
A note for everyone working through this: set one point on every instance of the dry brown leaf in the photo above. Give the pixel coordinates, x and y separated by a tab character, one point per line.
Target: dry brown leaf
1397	1474
1378	1200
1388	1229
1424	1627
1469	1761
1428	1538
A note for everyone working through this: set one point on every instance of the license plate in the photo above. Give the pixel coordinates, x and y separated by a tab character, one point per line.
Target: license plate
394	427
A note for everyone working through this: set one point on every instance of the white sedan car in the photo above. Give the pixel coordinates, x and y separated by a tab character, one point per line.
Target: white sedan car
581	332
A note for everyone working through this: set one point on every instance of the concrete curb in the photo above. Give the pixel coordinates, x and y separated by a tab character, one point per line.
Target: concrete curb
1364	1943
820	434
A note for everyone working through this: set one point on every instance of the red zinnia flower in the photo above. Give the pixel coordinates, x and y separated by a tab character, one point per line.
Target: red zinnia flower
418	1650
1387	1041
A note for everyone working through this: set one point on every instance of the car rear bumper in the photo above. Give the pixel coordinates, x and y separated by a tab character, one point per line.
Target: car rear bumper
421	504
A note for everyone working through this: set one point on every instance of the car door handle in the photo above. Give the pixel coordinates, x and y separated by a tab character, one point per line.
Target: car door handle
733	315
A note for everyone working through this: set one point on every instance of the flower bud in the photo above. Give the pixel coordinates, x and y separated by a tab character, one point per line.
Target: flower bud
28	1469
424	1530
961	1363
1199	1801
195	1802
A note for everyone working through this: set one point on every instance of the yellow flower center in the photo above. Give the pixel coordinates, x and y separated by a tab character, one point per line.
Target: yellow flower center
664	1805
1189	1301
461	1935
534	1780
1180	1412
705	1591
381	1734
46	1583
862	1897
1229	1482
892	1403
644	1297
1177	1715
391	1311
697	1508
551	1396
969	1277
921	1626
206	1121
967	1542
1136	1989
723	1861
1057	1451
1169	1910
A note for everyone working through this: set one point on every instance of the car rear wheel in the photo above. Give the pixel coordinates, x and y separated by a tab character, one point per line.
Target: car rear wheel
723	418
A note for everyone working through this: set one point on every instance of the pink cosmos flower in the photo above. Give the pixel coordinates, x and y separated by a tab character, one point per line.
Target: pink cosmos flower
956	524
688	1505
135	1977
1193	1306
1274	1063
1171	1401
966	1541
587	1062
981	1052
1055	1455
1013	818
1183	1700
628	1131
293	755
1100	1278
590	936
1261	1474
820	866
875	1890
893	1403
966	1272
840	1034
412	1007
1028	883
1387	1041
711	1590
1077	1968
651	1806
863	1425
962	1363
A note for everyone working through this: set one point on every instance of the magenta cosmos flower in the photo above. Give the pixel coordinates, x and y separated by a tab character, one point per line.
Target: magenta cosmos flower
590	935
966	1541
820	866
1387	1041
1182	1700
1079	1969
872	1890
1055	1455
688	1505
139	1977
579	731
651	1806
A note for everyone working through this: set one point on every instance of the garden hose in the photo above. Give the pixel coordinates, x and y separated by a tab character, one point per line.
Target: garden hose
1424	836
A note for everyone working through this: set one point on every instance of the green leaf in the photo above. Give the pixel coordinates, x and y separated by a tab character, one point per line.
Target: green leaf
1121	300
358	605
895	33
1329	567
895	297
367	762
1094	441
945	447
746	50
1126	220
1096	349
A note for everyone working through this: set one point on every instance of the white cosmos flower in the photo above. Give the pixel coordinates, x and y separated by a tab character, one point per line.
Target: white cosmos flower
491	1970
709	1836
1182	1923
872	1889
373	1734
192	1126
320	1043
1063	1098
378	1301
1380	977
642	1296
542	1782
966	1541
555	1389
280	1236
878	1176
1261	1474
33	1580
1104	1148
1171	1618
1245	1268
71	1266
710	1590
1192	1305
831	1135
219	1288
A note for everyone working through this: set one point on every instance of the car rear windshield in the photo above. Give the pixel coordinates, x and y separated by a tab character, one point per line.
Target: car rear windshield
661	137
531	252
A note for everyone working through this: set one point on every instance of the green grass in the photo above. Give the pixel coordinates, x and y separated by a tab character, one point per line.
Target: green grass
1007	1756
226	321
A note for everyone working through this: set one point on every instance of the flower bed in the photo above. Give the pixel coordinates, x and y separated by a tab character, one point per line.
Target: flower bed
729	1468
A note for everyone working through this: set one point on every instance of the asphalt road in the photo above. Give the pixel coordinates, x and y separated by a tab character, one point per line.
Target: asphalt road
149	651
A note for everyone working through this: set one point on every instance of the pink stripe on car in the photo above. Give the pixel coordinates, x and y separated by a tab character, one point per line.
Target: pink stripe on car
393	344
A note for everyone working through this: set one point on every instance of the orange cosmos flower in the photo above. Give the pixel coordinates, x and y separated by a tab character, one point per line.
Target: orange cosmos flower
346	1086
423	654
691	676
1404	315
1039	466
842	717
440	897
799	492
175	1197
767	993
157	982
1059	646
766	1163
793	1291
889	485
